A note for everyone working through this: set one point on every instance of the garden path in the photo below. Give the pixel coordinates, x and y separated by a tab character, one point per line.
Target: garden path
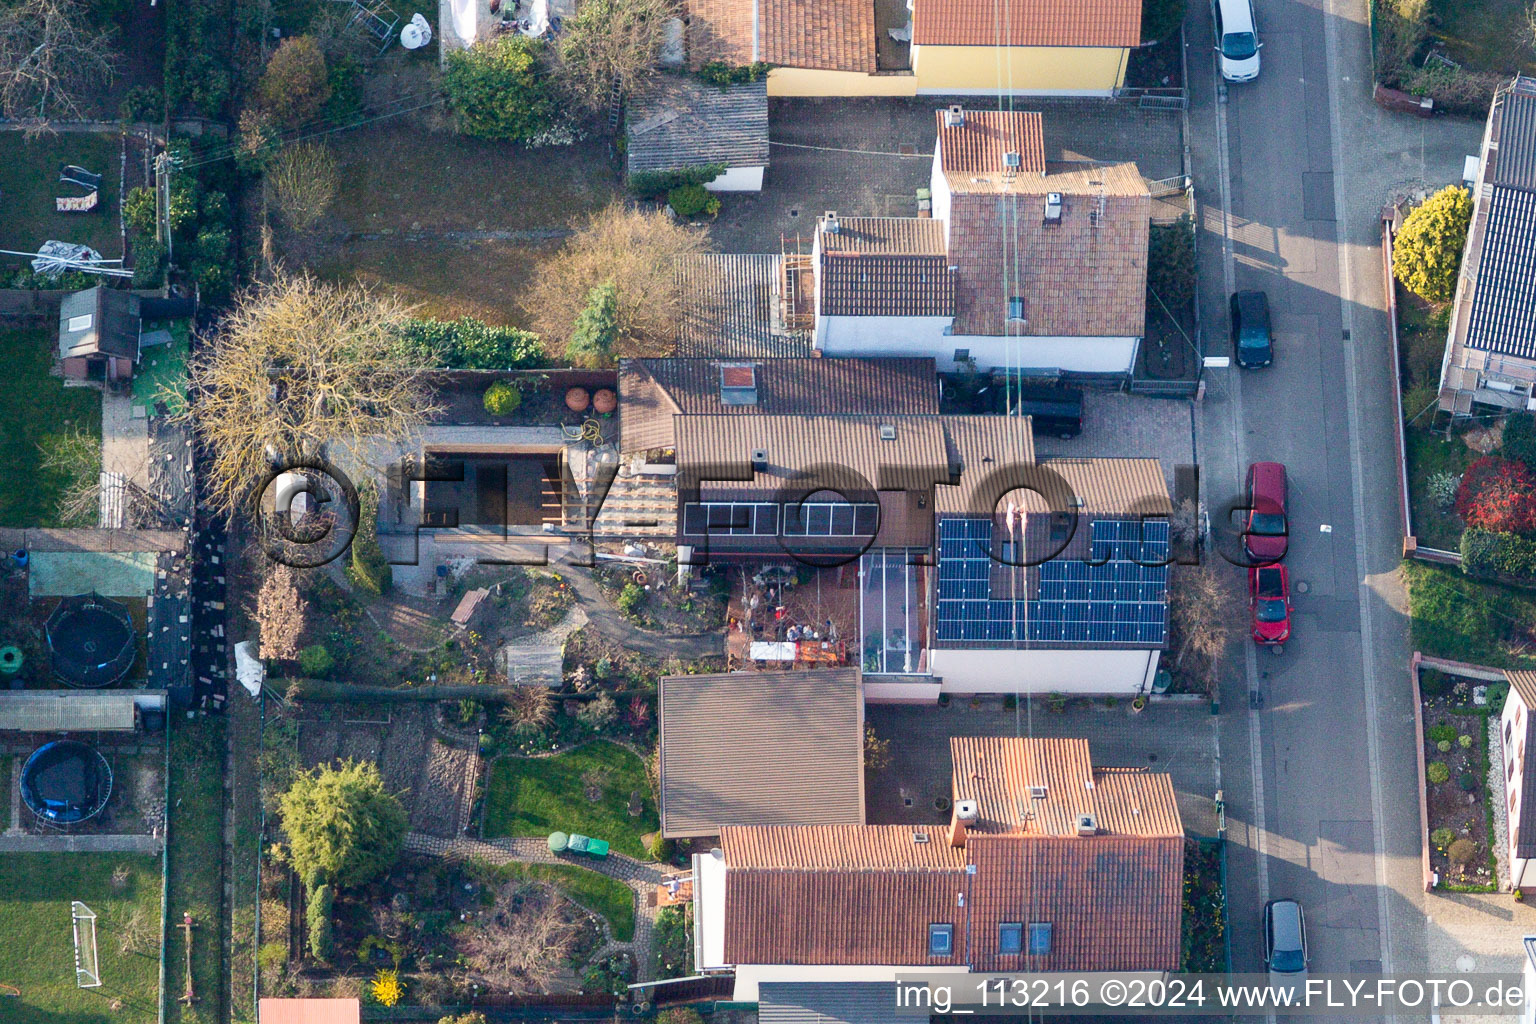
642	879
606	617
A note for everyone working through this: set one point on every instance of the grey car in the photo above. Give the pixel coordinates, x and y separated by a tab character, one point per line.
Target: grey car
1285	943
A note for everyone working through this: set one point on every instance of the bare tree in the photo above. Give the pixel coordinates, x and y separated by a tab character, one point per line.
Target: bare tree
50	58
303	180
529	710
280	613
1202	607
614	43
635	251
525	943
75	456
300	369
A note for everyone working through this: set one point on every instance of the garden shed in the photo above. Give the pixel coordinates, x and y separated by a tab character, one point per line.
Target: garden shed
685	124
99	334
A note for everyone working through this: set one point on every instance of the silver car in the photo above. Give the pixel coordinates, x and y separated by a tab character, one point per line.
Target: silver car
1285	944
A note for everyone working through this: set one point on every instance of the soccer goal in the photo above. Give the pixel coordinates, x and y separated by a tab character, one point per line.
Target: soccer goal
87	966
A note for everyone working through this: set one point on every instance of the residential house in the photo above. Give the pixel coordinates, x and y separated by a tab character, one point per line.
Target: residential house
738	749
682	124
928	47
968	566
1047	864
1026	265
1517	725
1490	352
99	334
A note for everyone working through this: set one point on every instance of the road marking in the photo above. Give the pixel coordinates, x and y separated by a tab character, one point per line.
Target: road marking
1363	593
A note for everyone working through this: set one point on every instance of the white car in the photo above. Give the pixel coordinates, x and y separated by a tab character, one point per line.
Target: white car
1237	39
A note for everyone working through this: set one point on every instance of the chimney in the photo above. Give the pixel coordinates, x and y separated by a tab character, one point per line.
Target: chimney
1087	825
966	812
759	460
1053	208
954	117
829	222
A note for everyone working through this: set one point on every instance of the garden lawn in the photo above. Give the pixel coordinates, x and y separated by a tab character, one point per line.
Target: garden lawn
37	951
1454	617
597	892
29	183
534	796
196	844
35	410
1485	35
162	371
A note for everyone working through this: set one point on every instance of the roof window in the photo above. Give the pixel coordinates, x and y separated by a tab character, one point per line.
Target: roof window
1039	938
1010	937
941	939
738	384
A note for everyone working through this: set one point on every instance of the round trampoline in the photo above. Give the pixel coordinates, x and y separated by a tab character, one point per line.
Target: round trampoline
90	640
66	782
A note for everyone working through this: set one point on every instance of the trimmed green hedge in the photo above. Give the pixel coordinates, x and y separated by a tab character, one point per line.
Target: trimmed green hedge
470	344
317	915
1505	556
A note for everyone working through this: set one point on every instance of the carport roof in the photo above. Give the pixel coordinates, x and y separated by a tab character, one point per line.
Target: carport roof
1504	288
827	35
761	748
683	122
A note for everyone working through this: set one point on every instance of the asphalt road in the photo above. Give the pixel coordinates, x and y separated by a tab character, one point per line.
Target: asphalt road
1319	779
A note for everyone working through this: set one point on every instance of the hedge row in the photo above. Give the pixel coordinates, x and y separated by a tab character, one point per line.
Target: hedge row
1505	556
470	344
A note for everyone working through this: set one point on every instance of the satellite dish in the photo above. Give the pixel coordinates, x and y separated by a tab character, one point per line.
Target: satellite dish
416	33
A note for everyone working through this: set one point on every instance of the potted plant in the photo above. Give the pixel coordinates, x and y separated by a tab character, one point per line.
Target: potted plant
1138	703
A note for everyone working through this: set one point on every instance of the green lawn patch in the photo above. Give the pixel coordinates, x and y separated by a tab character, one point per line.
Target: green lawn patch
196	844
29	181
535	796
36	411
1454	617
162	371
37	949
597	892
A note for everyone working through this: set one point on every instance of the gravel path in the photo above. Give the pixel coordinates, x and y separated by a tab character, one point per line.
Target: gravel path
1500	802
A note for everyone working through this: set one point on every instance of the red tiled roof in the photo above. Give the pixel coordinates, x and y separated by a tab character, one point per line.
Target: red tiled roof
829	35
838	847
977	145
875	284
1027	23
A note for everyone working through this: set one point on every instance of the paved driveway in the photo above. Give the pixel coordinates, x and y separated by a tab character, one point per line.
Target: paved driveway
1178	738
868	157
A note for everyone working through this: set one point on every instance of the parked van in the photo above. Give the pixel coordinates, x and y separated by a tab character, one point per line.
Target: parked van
1237	39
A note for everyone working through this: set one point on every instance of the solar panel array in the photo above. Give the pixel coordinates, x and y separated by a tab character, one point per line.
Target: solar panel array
1117	596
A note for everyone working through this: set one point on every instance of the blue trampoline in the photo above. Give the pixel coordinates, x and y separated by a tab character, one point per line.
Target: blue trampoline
66	782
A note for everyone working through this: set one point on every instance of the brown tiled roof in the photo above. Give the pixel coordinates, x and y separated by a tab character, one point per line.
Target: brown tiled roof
1114	903
997	772
841	917
829	35
653	391
1085	275
976	146
908	236
1105	487
869	284
845	895
1027	23
841	847
750	748
720	447
984	448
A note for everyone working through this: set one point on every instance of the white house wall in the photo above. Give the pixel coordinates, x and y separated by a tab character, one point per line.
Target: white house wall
750	976
738	179
1047	671
925	336
1513	725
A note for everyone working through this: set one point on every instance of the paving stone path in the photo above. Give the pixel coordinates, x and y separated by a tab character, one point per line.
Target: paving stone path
641	878
81	844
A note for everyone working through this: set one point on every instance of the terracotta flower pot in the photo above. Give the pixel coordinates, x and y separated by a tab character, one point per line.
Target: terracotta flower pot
604	402
577	399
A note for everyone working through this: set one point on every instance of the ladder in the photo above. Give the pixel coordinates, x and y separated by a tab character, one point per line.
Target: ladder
375	18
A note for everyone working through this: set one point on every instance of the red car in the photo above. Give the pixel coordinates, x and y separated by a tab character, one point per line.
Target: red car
1266	531
1269	596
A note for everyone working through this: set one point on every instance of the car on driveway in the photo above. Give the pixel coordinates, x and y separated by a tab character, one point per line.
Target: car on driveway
1266	530
1253	346
1269	599
1285	943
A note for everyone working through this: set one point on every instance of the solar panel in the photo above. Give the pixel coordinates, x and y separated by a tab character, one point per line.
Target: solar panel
1119	596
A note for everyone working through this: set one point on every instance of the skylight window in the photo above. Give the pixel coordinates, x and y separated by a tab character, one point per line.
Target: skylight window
941	939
